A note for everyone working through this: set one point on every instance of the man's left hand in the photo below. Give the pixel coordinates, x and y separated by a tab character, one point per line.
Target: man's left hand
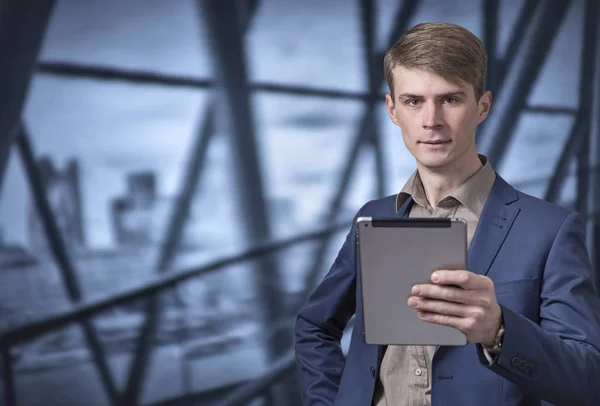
469	306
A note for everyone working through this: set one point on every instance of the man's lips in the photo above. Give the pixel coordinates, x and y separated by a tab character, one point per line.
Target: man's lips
434	142
434	145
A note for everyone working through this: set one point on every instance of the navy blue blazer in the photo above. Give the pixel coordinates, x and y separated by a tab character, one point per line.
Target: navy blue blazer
536	255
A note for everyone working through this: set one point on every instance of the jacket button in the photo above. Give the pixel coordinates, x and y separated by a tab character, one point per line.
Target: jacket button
515	361
372	371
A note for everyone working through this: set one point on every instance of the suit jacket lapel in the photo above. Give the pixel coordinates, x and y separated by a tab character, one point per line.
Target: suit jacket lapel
494	224
404	209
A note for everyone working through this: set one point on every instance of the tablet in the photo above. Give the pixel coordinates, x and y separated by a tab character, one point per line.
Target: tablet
395	254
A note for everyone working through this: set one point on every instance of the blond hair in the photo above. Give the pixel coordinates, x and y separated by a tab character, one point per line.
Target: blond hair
447	50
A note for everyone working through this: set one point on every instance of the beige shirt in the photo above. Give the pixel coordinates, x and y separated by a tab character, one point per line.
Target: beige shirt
405	373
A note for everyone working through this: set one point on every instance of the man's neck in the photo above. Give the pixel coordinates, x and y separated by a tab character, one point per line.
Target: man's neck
439	182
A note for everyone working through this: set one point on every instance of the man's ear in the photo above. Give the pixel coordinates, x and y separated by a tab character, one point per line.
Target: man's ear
389	104
485	105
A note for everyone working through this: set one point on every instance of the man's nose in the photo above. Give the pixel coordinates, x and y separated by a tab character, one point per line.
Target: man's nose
432	116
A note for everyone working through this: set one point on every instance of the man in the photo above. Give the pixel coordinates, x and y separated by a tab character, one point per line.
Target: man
527	303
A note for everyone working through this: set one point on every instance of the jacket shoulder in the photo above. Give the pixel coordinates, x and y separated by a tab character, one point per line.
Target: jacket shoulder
535	206
544	217
382	207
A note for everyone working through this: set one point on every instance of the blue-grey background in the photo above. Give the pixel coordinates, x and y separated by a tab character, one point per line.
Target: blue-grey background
115	111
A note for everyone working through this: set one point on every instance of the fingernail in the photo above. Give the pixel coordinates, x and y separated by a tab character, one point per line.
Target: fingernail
412	302
435	277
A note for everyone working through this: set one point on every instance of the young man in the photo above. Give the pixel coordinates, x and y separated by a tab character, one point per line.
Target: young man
527	303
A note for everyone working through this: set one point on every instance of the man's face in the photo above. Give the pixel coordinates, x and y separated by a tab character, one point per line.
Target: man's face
437	119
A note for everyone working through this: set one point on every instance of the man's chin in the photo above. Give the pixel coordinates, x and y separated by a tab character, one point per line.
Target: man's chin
434	162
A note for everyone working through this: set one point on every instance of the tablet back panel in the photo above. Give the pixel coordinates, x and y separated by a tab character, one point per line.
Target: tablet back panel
395	254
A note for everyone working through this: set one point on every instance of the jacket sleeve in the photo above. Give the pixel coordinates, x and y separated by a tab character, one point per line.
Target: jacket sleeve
320	324
559	359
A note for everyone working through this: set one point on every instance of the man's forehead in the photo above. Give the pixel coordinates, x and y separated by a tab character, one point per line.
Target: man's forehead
414	80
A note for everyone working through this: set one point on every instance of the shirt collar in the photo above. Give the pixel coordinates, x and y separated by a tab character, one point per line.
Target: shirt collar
473	193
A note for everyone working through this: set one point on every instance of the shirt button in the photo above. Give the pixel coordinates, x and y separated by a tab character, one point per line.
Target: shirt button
418	372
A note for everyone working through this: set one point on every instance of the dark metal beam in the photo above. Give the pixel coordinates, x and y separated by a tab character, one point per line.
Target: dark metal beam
500	66
581	202
373	65
490	40
97	72
180	211
401	21
586	99
22	28
226	40
518	34
62	258
552	110
561	168
313	273
8	377
578	141
175	228
187	189
522	75
233	92
592	15
77	70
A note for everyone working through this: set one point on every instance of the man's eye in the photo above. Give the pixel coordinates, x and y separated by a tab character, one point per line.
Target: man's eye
451	100
412	102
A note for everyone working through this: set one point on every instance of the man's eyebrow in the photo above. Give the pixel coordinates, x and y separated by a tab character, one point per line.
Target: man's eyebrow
457	93
410	96
416	96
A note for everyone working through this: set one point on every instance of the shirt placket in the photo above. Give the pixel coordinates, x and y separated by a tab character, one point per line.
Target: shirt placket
417	376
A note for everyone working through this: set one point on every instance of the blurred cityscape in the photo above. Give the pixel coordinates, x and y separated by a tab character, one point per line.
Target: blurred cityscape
211	322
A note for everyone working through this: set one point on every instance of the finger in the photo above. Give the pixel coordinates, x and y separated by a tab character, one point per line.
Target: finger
439	307
442	319
464	279
447	293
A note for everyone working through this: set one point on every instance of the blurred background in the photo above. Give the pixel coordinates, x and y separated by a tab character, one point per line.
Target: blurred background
177	176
